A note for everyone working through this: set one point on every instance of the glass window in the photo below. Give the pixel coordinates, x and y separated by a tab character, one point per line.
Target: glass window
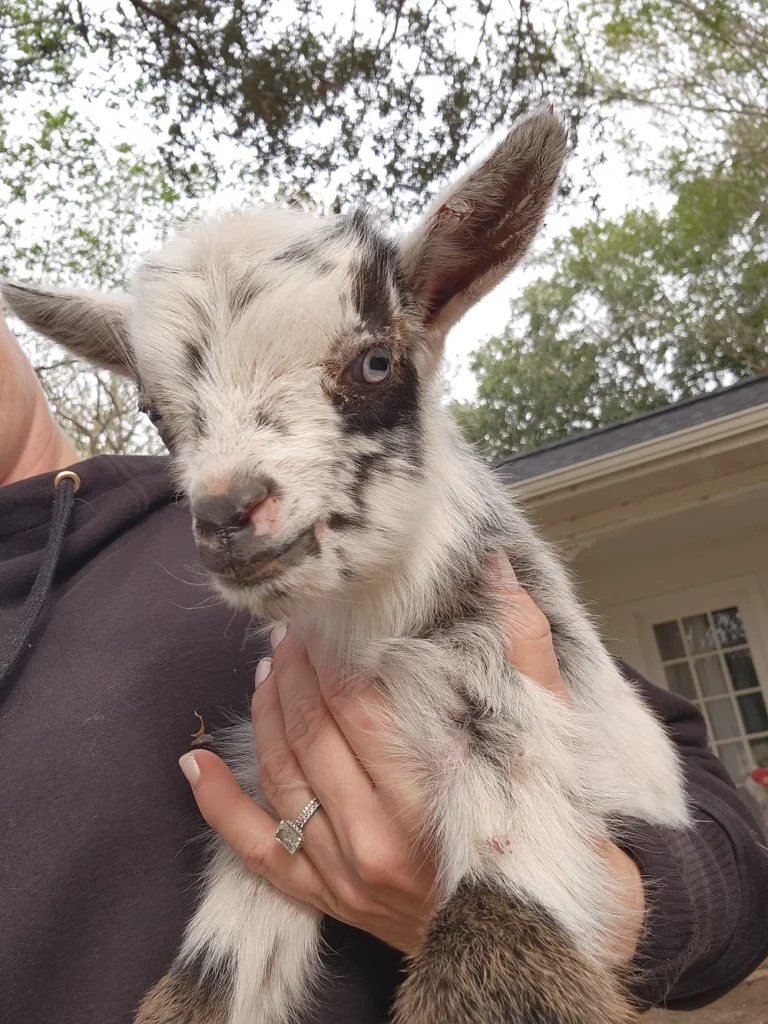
698	636
743	675
723	719
706	659
760	751
753	713
729	627
669	641
711	676
680	680
736	759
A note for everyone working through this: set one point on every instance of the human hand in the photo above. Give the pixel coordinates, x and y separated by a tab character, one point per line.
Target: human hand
358	863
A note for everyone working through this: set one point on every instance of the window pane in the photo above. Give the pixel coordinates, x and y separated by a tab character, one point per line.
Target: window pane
723	719
730	631
698	636
711	676
736	759
760	751
669	641
680	680
743	675
753	712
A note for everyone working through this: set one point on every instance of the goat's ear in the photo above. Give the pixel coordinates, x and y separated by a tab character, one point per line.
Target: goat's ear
91	325
478	229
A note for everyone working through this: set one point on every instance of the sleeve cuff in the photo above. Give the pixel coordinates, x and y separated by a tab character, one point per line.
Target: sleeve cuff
690	900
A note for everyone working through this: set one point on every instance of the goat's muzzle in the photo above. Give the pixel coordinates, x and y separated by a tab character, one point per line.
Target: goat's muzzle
235	535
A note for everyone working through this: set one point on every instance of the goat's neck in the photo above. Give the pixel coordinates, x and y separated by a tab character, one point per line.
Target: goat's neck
415	590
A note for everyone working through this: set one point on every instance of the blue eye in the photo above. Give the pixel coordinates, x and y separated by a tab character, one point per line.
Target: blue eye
373	366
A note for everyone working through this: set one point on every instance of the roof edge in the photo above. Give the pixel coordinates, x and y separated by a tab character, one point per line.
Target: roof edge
664	410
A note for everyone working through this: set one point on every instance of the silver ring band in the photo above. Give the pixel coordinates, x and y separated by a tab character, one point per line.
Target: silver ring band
290	833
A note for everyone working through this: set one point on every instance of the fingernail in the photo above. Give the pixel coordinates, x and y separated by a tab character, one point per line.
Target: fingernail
277	635
262	670
505	570
190	767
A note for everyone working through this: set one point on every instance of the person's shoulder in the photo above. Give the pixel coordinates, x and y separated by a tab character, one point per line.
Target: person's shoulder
142	484
132	500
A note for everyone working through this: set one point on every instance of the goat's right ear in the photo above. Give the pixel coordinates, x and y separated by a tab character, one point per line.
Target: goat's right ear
482	226
91	325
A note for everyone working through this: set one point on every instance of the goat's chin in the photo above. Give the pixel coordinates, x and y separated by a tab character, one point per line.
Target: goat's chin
278	598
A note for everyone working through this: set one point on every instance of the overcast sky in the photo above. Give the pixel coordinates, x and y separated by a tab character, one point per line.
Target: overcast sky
618	191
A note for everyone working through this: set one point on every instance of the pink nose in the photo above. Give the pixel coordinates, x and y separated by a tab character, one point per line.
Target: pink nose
264	516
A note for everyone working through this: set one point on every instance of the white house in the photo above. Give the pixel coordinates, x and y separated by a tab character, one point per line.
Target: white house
664	519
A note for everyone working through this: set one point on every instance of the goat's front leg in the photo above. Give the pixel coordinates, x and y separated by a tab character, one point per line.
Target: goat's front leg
491	958
523	935
250	955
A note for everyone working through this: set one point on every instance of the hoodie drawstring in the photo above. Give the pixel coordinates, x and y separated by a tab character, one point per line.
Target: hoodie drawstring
65	485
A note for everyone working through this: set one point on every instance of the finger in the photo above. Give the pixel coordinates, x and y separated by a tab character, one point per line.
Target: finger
248	829
363	718
529	647
329	764
282	777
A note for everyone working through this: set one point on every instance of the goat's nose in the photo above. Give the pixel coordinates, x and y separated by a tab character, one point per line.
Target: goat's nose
230	511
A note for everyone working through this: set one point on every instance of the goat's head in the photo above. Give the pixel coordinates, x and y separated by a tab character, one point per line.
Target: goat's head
288	361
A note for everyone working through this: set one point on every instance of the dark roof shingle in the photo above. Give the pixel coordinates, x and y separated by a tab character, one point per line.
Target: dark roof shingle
669	420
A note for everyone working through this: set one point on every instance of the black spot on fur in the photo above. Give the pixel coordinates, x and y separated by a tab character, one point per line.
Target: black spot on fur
467	599
359	224
199	422
477	722
262	419
269	967
364	467
340	521
243	294
373	283
379	269
201	311
195	358
308	252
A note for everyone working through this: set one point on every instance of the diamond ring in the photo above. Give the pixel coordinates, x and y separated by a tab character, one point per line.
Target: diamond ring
290	834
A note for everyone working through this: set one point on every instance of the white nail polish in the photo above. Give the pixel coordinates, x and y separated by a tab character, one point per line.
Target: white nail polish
190	767
505	570
277	635
263	670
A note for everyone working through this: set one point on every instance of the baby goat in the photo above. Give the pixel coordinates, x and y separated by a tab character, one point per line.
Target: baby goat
291	363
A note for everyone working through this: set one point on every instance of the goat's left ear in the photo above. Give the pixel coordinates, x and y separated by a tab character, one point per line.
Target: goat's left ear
91	325
478	229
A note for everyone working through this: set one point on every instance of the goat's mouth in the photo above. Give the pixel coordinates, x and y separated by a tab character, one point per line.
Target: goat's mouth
236	564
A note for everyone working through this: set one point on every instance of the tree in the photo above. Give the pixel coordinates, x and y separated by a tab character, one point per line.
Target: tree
75	212
634	314
379	99
700	65
631	315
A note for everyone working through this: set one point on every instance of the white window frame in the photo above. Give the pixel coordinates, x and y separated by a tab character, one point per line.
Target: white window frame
636	621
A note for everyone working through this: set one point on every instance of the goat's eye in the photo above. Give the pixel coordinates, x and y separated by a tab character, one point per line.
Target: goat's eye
154	417
372	367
